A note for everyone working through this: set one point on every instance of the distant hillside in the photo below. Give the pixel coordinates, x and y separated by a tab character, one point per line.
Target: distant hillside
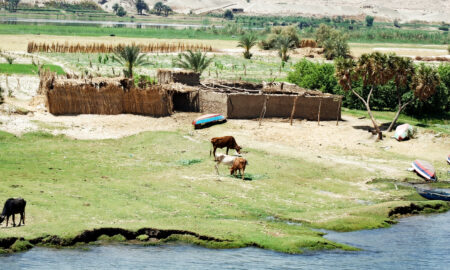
402	10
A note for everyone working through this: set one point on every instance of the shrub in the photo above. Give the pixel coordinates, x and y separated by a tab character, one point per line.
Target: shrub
333	42
314	76
228	14
121	12
443	28
369	21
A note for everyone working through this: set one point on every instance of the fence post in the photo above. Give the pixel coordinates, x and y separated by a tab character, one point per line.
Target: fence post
293	108
337	114
318	115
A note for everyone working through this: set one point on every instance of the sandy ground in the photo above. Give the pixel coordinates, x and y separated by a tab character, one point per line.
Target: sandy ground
347	143
404	10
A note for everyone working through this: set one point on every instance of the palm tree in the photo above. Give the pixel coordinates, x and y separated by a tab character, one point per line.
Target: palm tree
247	42
402	68
130	57
284	43
196	61
425	81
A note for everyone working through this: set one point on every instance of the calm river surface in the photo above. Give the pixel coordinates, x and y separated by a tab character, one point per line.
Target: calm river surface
420	242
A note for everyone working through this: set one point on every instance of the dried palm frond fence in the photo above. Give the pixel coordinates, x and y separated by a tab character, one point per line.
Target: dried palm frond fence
106	96
308	43
158	47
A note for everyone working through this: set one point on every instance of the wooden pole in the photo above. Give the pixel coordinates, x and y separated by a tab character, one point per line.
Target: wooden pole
293	108
318	115
337	114
263	111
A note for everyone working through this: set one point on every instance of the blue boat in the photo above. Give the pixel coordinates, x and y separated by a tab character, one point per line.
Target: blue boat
208	120
434	194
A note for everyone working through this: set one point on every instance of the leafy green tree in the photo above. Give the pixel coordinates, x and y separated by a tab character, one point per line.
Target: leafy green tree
121	12
247	42
11	5
141	6
115	7
369	21
333	42
158	7
195	61
228	14
312	75
130	57
284	44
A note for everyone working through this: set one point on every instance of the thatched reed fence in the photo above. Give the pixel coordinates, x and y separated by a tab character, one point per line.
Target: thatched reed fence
78	97
110	48
308	43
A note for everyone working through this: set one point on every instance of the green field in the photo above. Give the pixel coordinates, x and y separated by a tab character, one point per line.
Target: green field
27	69
135	182
167	33
226	67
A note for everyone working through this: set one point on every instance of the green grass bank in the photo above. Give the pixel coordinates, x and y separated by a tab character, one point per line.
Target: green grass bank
28	69
166	180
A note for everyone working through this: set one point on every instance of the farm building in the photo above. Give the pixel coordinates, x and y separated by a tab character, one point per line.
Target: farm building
182	91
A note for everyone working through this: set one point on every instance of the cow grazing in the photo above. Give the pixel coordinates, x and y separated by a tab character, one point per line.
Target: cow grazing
224	159
13	207
239	164
226	141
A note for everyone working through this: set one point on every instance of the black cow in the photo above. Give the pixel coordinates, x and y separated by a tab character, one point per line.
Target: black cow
13	207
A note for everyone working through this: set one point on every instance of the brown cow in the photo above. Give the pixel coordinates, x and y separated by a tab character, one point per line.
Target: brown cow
239	164
226	141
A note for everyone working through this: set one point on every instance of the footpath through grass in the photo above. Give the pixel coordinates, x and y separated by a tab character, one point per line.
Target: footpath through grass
28	69
164	180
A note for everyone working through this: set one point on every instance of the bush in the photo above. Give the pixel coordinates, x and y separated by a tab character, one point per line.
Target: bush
228	14
439	103
121	12
276	32
443	28
369	21
333	42
314	76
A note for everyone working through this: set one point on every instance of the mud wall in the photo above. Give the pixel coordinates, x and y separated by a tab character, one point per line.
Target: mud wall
213	102
242	106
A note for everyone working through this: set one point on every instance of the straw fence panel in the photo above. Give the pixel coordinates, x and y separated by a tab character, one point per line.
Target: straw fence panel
110	99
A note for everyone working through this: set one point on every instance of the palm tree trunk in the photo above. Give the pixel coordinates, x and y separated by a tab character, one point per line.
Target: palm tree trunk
400	109
366	103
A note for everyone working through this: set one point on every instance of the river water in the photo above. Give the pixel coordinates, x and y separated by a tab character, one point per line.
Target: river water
419	242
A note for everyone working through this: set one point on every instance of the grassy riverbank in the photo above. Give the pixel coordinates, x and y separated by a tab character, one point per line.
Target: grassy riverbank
166	180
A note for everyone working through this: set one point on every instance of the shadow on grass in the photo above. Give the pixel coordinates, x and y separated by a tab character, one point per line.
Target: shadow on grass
249	176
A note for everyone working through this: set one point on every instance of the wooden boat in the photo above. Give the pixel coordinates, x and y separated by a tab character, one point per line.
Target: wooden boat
434	194
208	120
424	169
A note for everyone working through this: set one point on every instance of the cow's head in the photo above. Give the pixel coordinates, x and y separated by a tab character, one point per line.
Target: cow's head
238	149
1	219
